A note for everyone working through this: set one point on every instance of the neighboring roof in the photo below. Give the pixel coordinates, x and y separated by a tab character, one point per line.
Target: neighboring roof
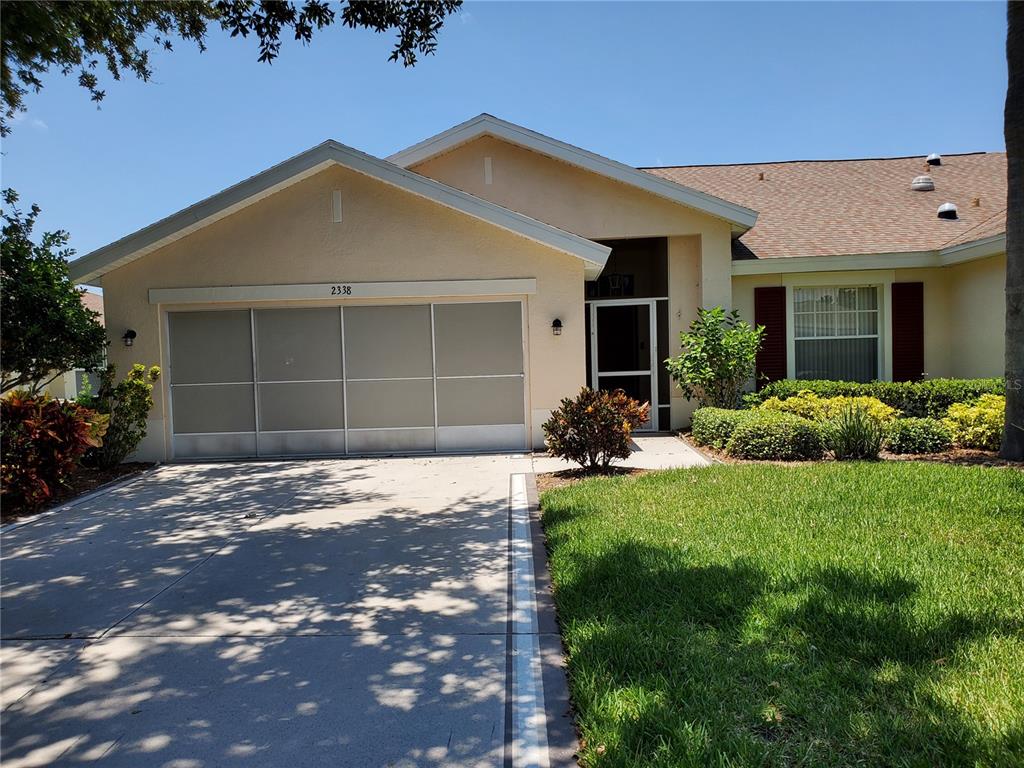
93	265
741	217
93	301
848	207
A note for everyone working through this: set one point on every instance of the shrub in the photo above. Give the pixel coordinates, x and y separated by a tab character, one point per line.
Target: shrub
929	398
43	440
853	433
915	435
979	425
714	426
810	406
128	404
717	359
593	428
772	435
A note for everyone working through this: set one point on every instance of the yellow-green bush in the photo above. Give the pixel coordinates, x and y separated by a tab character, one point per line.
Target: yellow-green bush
978	425
808	405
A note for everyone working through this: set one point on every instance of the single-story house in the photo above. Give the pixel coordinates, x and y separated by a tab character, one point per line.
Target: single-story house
71	384
446	298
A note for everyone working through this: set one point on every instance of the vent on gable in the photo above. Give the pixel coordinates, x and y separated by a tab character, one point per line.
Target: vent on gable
922	184
947	211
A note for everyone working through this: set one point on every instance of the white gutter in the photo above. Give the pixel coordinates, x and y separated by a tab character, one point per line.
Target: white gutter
943	257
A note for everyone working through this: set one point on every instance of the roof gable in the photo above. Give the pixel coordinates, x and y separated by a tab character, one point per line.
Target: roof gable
740	217
89	268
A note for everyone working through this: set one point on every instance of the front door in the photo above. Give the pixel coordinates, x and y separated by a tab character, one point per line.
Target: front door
623	349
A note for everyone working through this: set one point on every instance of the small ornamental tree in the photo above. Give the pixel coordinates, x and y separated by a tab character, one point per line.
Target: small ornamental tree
718	357
46	329
128	404
594	428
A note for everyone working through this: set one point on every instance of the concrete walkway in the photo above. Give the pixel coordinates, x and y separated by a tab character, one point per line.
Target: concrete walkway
319	613
649	452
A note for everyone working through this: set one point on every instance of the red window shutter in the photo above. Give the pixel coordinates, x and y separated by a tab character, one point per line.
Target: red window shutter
907	331
770	311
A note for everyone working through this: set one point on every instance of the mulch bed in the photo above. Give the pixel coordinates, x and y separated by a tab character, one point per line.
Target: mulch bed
964	457
86	479
959	456
547	481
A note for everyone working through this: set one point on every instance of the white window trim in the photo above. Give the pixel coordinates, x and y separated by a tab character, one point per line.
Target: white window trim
883	282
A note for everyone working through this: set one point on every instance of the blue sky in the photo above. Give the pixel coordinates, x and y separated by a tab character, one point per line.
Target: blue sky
644	83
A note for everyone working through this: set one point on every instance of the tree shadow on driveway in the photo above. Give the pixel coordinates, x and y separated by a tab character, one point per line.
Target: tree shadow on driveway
329	621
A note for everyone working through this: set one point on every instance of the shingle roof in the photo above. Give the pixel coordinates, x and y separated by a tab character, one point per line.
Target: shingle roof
93	301
846	207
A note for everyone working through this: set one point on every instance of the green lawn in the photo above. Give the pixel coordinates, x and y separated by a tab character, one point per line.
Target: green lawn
828	615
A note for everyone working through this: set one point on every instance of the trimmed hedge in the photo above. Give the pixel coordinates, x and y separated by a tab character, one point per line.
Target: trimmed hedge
714	426
779	436
918	436
929	398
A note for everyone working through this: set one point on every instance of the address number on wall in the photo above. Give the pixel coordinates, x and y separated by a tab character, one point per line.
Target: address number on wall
341	290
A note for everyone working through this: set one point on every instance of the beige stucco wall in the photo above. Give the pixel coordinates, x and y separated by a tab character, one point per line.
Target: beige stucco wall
386	235
585	203
62	387
977	317
684	283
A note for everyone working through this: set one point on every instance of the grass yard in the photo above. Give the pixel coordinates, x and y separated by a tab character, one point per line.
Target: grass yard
840	614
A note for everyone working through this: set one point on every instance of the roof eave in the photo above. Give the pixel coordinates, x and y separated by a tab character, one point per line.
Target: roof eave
942	257
739	217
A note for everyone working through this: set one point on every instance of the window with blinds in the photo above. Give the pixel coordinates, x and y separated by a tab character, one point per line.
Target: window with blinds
835	331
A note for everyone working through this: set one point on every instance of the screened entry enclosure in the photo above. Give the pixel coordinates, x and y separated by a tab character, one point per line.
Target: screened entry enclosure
627	326
336	380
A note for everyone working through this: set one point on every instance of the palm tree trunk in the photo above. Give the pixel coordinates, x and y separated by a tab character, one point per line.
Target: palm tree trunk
1013	433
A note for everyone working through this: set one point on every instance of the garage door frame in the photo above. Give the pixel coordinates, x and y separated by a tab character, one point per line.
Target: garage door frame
438	446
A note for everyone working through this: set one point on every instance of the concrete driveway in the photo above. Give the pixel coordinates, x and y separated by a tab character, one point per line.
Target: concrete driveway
344	613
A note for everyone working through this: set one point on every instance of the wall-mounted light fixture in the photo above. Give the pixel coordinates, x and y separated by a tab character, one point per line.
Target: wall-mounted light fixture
556	327
129	337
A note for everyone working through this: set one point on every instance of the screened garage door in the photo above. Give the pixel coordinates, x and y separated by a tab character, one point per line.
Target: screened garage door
334	380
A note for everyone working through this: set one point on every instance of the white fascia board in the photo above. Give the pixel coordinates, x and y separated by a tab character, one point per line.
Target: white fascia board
944	257
908	260
978	249
93	265
487	125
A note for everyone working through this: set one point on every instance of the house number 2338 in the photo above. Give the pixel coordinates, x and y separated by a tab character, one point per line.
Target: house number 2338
341	290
